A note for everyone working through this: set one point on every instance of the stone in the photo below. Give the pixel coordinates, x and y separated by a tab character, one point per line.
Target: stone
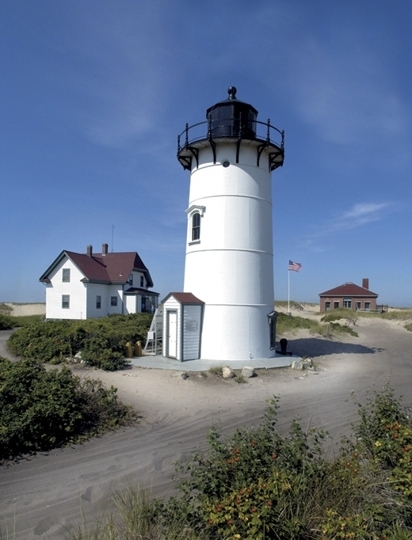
298	365
307	363
248	372
227	373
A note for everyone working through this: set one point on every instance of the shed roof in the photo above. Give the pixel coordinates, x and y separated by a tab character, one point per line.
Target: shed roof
184	298
349	289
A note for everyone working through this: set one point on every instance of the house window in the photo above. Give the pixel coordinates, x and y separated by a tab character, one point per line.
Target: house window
113	301
196	226
65	301
98	302
358	306
141	281
130	280
327	306
66	275
367	306
347	303
335	305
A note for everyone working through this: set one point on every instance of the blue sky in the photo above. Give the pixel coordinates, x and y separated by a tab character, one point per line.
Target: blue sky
94	92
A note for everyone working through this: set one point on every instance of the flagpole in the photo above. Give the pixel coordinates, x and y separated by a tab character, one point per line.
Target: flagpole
288	291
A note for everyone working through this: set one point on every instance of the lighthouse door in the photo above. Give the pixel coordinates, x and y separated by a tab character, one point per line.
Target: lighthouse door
172	334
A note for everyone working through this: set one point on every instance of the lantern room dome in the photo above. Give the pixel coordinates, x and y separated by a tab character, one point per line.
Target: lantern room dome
232	118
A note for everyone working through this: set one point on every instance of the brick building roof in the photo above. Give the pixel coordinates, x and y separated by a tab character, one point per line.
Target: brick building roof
349	290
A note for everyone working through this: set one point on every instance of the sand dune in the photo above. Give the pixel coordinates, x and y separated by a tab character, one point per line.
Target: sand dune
46	493
19	310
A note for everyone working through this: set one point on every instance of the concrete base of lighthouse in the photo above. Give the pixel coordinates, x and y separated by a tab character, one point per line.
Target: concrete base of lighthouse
162	362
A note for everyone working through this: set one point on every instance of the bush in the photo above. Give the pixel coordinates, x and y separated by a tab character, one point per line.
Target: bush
257	484
41	410
289	323
6	322
101	341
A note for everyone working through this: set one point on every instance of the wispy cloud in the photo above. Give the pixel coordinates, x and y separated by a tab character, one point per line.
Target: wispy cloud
359	215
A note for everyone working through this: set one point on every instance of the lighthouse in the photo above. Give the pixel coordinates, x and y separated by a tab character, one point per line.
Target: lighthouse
229	242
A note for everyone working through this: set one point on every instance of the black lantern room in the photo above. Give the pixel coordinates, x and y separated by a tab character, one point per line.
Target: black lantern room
230	120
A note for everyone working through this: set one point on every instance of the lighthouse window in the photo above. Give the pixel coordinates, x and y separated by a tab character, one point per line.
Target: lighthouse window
196	226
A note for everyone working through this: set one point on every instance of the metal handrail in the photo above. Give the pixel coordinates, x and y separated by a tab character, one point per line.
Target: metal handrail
206	135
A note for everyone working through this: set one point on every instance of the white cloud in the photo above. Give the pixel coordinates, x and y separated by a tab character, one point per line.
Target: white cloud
359	215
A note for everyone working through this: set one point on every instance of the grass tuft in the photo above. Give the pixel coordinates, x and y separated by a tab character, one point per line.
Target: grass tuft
216	370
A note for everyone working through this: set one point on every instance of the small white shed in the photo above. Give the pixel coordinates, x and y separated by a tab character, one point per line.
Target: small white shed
182	326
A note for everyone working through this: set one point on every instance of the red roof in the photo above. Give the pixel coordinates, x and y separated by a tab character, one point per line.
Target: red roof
107	268
184	298
349	289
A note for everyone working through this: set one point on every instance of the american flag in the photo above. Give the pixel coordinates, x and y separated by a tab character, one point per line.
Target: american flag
294	266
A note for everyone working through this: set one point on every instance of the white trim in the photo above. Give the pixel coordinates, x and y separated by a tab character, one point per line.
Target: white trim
195	208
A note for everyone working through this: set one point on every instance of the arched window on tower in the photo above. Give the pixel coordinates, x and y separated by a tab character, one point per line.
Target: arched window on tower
194	216
196	226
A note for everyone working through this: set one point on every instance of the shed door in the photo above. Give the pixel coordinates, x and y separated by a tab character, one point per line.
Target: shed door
172	334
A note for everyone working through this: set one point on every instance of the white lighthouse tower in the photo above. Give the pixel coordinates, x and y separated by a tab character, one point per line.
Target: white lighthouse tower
229	245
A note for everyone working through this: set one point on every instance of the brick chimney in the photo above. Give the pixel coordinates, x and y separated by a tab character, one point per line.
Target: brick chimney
365	283
105	248
90	251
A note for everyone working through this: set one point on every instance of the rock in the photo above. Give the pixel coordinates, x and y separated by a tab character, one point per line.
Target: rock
181	375
248	372
298	365
227	373
304	363
307	363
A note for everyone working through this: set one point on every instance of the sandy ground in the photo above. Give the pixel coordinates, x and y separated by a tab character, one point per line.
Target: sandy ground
44	495
19	310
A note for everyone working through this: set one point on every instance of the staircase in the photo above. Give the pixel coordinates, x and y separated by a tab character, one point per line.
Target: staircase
154	342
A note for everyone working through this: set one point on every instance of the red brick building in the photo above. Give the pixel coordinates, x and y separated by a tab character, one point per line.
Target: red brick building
349	296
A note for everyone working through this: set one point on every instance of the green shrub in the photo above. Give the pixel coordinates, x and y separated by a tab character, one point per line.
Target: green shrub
101	341
288	323
6	322
259	485
41	410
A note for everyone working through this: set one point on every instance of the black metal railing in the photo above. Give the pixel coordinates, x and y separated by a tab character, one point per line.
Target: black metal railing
230	127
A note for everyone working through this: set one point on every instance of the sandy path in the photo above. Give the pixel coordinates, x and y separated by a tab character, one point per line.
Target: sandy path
45	494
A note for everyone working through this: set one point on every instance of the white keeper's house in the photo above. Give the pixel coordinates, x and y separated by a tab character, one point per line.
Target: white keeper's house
89	285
